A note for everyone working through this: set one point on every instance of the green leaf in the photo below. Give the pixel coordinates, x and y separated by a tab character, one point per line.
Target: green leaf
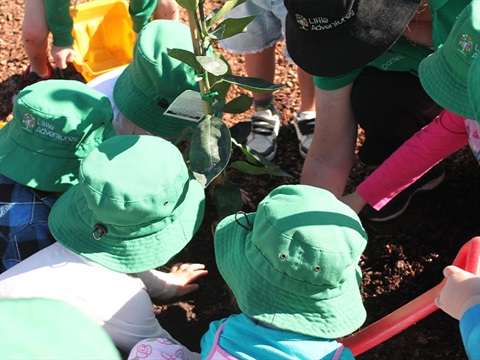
230	27
238	105
213	65
240	131
219	13
252	83
258	170
190	5
210	149
186	57
228	199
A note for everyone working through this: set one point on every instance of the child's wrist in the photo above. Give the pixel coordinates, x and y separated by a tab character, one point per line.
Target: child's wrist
467	304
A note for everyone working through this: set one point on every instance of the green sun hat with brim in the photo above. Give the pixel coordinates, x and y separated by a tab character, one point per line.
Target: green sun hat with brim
153	80
51	329
293	263
55	124
474	88
444	73
135	207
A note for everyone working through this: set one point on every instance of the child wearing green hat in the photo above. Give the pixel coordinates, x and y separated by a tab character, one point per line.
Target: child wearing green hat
293	269
54	126
51	329
142	91
130	213
42	17
449	76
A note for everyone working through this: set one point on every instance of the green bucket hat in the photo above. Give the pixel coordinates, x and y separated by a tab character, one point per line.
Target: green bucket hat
135	207
51	329
294	263
444	73
55	124
474	88
153	80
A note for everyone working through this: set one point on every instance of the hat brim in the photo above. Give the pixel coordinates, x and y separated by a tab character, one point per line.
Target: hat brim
136	253
140	109
346	48
441	83
34	169
261	299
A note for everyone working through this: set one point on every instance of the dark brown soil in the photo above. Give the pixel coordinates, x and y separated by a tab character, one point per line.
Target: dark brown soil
404	257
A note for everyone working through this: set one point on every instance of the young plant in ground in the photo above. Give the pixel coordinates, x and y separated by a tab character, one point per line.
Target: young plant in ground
212	141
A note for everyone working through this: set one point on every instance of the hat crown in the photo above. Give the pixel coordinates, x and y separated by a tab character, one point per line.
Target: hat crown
61	118
474	88
463	43
310	15
316	244
111	190
158	75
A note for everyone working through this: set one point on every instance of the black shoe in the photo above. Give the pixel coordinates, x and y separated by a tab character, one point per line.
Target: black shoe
399	203
30	78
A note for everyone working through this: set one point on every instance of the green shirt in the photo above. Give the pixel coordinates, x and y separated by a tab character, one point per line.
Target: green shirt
403	56
60	23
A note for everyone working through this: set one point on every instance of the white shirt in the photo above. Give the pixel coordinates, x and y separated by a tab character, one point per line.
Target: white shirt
118	302
105	84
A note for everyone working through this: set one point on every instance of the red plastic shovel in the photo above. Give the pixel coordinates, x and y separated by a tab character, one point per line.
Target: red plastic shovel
468	258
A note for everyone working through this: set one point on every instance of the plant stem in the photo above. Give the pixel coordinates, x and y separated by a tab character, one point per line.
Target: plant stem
195	32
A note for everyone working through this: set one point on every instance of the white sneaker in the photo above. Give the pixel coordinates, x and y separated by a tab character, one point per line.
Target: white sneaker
304	125
263	136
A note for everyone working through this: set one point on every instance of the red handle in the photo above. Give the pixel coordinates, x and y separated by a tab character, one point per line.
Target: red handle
468	258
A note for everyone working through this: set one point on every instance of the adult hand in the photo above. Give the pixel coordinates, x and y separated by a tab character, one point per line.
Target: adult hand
184	274
461	291
62	55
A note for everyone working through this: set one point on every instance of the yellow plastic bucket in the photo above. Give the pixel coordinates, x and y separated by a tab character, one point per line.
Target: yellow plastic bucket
103	36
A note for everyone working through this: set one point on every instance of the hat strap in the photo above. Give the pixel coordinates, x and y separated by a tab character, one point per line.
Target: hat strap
249	227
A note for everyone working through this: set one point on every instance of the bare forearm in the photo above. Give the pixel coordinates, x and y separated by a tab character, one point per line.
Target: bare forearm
329	159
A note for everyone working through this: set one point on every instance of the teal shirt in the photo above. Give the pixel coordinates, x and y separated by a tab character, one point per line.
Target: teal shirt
470	331
244	339
403	56
60	23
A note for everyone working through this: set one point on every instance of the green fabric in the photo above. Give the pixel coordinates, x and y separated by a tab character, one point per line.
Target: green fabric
444	74
474	88
51	329
297	269
59	21
403	56
139	190
55	124
141	12
153	80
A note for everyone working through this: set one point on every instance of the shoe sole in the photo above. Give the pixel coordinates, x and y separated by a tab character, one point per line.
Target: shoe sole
428	186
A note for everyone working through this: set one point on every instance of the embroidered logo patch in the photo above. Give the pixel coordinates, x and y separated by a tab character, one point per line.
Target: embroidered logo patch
302	21
465	44
29	121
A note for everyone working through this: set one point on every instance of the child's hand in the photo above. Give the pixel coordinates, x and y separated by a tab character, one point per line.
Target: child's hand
183	274
461	291
62	55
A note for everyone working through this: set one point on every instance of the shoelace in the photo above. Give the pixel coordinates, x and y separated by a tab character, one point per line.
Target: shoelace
262	126
306	126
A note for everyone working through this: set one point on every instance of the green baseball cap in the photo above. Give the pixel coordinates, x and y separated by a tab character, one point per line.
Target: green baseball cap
444	73
153	80
474	88
135	207
294	263
55	124
51	329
